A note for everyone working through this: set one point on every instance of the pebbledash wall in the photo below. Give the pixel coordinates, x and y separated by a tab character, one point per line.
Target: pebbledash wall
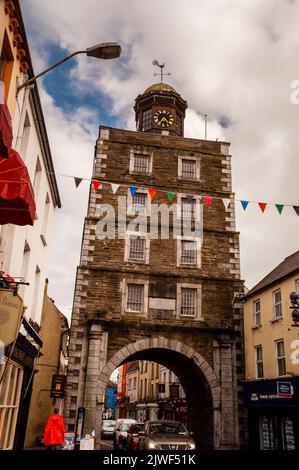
205	351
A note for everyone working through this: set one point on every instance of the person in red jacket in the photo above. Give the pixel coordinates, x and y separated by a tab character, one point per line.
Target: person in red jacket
54	431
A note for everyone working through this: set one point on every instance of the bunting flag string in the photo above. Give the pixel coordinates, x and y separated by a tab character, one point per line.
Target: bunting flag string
207	199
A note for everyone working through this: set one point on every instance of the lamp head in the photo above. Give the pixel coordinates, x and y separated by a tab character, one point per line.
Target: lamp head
295	316
105	50
294	299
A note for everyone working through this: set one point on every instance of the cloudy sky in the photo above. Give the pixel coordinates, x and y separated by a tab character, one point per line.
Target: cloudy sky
233	60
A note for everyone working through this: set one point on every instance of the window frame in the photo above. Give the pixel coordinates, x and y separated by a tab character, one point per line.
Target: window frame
127	257
197	263
196	159
148	114
259	362
198	289
135	153
280	358
133	212
275	304
256	313
125	284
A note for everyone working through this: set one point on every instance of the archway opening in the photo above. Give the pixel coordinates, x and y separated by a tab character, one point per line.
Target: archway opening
194	406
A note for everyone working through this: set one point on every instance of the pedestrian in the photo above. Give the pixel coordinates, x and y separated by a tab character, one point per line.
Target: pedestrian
54	431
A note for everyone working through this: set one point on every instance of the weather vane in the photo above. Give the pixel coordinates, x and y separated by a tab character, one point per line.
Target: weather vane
155	62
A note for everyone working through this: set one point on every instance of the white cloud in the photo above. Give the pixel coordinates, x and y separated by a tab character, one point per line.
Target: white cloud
228	58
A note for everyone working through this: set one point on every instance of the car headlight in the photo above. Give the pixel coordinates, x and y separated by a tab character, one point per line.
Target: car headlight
191	445
152	445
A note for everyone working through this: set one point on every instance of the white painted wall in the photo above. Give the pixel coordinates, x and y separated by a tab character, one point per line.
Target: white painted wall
13	238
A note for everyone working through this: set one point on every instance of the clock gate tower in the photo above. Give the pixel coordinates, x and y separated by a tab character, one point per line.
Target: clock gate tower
164	299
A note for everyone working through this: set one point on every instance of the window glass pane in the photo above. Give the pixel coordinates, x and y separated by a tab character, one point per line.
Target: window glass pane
188	207
188	252
287	429
188	301
139	202
137	248
141	163
146	119
188	169
135	297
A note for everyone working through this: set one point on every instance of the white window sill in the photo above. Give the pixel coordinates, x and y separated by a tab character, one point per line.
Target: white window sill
141	173
189	316
278	319
256	327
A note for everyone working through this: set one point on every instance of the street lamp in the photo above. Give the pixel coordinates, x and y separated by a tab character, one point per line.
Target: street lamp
105	50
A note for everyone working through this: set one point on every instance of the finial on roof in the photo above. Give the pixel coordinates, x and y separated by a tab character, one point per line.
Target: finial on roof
155	62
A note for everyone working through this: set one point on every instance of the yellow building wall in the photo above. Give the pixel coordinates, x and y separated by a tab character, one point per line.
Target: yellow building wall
41	405
15	73
270	331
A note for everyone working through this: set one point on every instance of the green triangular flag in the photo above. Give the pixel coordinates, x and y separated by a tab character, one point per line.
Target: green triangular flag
279	207
170	195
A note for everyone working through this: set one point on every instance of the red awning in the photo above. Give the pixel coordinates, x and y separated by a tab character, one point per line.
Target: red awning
5	126
17	204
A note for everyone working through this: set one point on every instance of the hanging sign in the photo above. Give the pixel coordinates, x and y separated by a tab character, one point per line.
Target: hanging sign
10	316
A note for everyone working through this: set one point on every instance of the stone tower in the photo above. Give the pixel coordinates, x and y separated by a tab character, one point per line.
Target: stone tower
165	300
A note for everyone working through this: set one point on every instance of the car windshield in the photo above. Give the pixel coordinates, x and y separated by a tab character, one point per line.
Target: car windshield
137	427
168	428
109	424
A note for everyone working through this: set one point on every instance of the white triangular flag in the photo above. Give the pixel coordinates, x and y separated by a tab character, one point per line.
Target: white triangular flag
226	203
114	187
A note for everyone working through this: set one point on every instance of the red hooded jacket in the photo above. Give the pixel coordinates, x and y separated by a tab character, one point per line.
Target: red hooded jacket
54	431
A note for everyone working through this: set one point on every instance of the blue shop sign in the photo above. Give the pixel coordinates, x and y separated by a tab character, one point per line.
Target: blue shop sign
284	389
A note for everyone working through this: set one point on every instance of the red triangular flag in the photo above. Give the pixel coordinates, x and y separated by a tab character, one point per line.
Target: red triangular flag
207	200
152	193
263	206
96	184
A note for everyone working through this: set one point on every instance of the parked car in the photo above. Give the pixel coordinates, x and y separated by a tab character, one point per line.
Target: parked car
133	435
107	428
120	432
165	435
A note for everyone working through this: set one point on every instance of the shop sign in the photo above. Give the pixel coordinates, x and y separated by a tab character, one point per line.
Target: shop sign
269	393
57	388
284	389
10	316
174	390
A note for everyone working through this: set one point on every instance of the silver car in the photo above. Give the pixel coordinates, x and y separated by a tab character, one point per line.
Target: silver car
107	428
165	435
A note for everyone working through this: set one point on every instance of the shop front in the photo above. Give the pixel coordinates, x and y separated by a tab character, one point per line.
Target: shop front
273	413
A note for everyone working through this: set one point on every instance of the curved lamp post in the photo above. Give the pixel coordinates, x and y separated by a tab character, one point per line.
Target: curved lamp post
105	50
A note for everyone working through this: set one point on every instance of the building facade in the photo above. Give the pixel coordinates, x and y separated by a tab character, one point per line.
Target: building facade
52	362
272	360
23	248
166	299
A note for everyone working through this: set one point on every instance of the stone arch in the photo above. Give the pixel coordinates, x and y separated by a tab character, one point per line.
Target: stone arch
160	342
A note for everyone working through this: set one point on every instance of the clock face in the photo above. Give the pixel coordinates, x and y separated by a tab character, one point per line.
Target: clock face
163	118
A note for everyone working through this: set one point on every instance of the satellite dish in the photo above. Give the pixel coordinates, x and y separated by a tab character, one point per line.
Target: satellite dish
155	62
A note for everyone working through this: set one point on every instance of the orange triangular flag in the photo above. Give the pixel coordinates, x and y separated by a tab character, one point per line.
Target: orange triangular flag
96	184
262	206
152	193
